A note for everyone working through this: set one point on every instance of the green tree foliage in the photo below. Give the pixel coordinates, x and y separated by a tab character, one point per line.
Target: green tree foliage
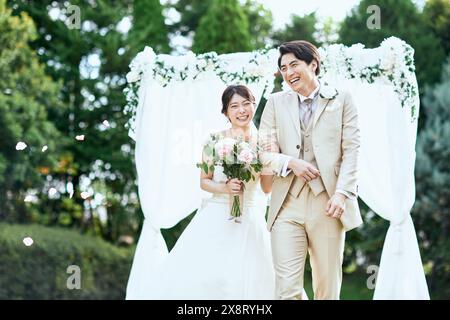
148	27
437	14
327	32
224	29
402	19
191	11
27	96
260	23
299	28
90	62
432	208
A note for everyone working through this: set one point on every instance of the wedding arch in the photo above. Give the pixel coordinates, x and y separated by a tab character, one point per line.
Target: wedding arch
174	102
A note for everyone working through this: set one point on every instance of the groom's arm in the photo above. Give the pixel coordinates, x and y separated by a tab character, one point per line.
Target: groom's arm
350	144
269	152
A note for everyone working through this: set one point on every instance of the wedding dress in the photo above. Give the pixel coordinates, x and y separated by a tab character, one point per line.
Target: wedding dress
217	258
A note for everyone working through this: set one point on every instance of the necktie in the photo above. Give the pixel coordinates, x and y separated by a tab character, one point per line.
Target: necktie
308	112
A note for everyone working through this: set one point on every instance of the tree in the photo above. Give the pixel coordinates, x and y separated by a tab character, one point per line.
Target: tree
402	19
148	27
260	23
91	63
437	13
327	31
191	11
299	28
431	211
224	29
27	95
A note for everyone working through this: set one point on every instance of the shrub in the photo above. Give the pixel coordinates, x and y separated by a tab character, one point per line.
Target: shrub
39	271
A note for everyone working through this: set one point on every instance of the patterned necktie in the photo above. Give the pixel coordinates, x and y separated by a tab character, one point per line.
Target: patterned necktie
308	112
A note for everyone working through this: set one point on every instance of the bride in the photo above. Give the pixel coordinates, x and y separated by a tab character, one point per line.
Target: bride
216	258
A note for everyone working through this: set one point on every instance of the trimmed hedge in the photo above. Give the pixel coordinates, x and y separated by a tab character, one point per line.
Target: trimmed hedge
39	271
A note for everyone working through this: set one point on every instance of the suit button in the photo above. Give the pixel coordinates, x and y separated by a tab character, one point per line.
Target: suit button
306	150
307	135
298	146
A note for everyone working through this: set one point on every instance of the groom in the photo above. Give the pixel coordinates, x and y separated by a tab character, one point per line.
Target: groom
310	138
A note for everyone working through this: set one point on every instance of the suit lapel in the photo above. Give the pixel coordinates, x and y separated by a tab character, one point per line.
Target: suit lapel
322	104
292	106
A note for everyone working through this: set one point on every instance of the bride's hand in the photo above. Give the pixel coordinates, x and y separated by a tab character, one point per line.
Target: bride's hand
233	186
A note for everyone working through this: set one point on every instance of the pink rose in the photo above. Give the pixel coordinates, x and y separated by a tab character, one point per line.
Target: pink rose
246	156
224	151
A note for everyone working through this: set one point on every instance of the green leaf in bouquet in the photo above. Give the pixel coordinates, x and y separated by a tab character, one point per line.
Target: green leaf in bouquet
205	167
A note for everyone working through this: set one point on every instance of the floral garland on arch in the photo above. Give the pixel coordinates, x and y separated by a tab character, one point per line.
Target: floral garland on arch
244	68
392	62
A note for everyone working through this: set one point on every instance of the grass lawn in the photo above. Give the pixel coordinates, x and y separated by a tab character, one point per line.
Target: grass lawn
353	287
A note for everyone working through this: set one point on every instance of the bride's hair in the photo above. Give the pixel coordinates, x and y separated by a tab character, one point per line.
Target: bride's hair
230	91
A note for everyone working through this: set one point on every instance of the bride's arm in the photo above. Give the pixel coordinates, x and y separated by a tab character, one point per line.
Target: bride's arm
207	184
232	186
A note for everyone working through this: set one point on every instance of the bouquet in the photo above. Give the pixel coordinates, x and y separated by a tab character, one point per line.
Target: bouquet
239	160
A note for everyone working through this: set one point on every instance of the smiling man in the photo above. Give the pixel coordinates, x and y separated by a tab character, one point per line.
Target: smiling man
310	138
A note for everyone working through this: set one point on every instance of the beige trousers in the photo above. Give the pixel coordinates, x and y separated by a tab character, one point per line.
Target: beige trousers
302	226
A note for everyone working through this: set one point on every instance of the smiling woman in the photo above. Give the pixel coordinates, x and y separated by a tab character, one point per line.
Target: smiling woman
238	104
228	232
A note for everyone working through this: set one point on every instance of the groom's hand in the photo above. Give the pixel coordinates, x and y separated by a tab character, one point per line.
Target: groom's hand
303	169
336	205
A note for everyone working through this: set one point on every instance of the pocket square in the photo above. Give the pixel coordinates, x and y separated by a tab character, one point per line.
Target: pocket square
336	105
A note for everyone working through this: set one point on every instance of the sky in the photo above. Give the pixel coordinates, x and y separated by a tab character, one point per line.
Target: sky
283	9
336	9
281	12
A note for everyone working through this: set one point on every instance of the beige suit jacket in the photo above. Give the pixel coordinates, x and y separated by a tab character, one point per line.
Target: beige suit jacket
336	143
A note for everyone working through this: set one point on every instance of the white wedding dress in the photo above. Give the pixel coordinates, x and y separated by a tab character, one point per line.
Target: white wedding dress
216	258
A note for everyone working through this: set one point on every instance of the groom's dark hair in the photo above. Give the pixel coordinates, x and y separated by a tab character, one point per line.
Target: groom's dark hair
302	50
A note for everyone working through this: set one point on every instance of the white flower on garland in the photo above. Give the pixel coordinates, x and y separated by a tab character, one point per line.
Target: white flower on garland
142	64
161	80
328	92
201	64
133	76
256	71
389	60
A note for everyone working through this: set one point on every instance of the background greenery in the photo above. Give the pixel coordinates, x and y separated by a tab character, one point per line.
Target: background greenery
59	83
39	271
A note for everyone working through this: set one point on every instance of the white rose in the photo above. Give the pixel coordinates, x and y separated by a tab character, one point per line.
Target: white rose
133	76
228	142
328	92
389	60
201	63
160	80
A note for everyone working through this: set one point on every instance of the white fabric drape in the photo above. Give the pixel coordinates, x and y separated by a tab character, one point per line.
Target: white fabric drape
173	121
386	185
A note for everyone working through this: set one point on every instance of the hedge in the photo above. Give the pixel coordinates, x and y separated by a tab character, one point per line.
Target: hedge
40	271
